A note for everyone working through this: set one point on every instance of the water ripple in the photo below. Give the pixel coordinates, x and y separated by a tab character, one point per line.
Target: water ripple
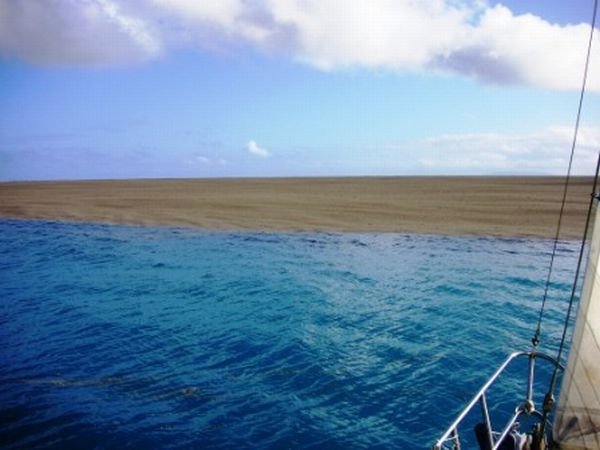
125	337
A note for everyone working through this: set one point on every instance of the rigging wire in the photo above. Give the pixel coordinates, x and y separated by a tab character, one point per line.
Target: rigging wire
549	398
535	340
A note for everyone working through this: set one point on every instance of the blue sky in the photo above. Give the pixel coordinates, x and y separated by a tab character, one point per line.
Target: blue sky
181	88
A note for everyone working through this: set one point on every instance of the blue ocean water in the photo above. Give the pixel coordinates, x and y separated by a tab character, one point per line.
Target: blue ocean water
138	337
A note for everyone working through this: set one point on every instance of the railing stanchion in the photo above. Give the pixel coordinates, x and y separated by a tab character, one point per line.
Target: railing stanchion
530	381
486	419
527	408
456	439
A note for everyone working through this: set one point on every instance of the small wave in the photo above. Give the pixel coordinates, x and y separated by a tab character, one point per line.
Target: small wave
187	339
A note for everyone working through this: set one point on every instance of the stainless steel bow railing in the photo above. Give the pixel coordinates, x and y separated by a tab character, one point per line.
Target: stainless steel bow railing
451	438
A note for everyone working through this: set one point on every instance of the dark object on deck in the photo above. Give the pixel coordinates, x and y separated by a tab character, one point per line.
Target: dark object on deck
513	440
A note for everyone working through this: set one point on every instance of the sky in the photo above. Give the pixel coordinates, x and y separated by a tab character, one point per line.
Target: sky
112	89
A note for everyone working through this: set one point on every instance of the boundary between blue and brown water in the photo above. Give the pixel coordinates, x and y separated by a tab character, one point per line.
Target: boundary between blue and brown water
505	206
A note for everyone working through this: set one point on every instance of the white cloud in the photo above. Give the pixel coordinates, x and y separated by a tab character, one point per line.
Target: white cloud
542	152
464	37
253	148
467	38
222	13
86	33
205	161
507	49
